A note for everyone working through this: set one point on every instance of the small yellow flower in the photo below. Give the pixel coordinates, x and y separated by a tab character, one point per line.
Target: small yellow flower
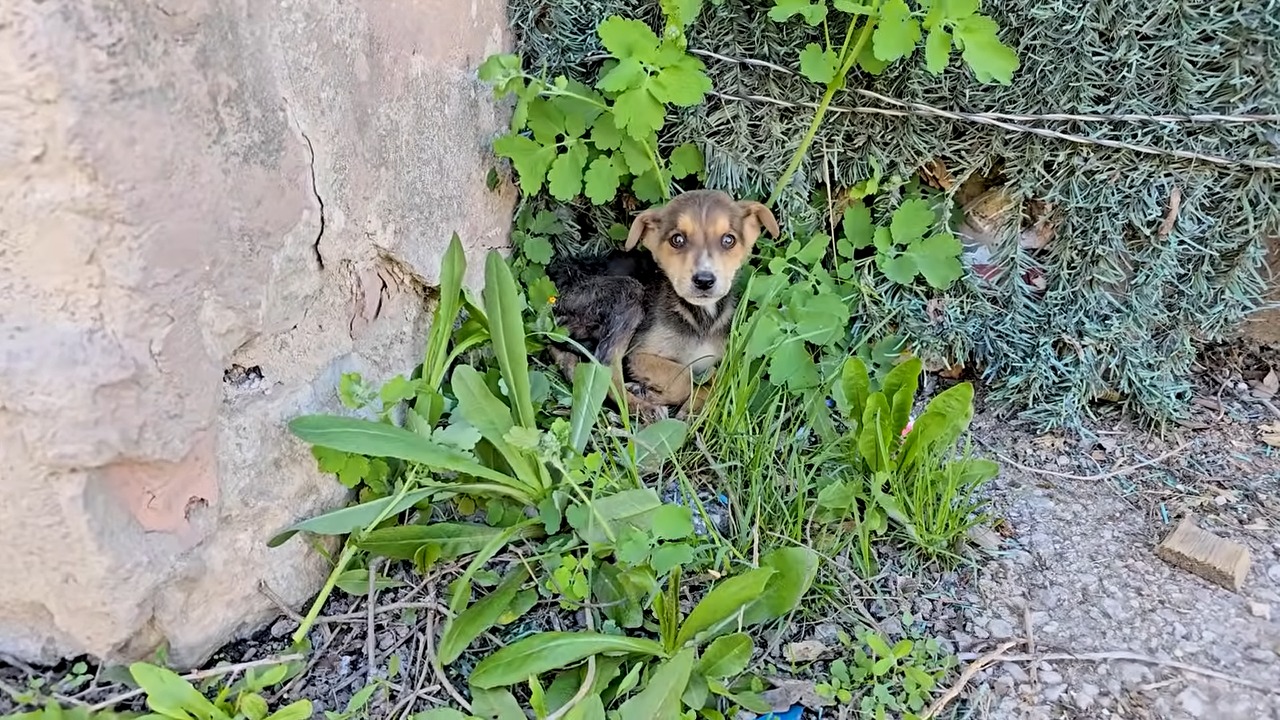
551	300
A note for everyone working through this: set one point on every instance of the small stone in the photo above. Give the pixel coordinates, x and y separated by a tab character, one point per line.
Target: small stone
892	627
1052	693
1261	655
1064	461
1133	675
1193	702
1050	677
805	652
981	633
1087	696
282	627
1000	629
1015	671
1260	610
1004	685
1273	572
827	633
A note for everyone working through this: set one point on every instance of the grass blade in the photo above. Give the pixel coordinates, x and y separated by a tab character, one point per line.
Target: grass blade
351	519
452	268
537	654
466	626
590	386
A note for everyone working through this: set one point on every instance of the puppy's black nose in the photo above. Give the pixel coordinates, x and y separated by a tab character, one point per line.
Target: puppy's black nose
704	280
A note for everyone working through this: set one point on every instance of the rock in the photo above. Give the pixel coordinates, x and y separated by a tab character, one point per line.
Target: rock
282	627
1053	693
1086	697
1261	655
1000	629
805	652
262	185
827	633
1273	573
1015	671
1050	677
1193	702
1260	610
1004	685
1133	675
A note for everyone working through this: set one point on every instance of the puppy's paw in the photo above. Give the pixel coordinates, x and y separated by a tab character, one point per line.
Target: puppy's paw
649	412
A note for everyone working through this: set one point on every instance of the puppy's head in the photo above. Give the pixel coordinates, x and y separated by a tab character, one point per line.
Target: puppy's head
700	239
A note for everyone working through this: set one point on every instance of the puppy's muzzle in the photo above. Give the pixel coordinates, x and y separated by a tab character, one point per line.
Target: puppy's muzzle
704	280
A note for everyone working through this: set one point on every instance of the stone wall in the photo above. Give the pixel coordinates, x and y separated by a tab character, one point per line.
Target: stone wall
209	210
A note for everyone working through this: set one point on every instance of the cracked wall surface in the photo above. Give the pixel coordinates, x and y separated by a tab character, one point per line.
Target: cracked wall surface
209	210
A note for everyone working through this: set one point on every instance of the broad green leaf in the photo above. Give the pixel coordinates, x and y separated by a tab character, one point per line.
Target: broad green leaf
878	646
683	85
625	38
938	258
902	649
726	656
590	386
502	305
546	120
356	582
858	228
982	50
453	267
297	710
897	32
659	440
530	159
629	508
537	654
660	699
672	522
937	50
365	437
899	268
719	607
468	625
911	221
686	160
818	63
855	385
636	155
485	412
823	319
564	180
606	136
500	70
647	186
811	12
441	713
812	251
899	388
623	594
638	113
795	568
170	695
626	74
402	542
766	333
602	180
668	557
870	64
681	12
537	249
791	365
495	704
852	8
874	432
351	519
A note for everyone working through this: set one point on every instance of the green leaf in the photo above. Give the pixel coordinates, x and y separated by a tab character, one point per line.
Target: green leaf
719	607
502	305
629	508
537	654
454	539
591	382
681	12
794	570
397	389
636	155
990	59
900	268
564	181
912	220
638	113
625	38
902	649
683	85
726	656
792	366
810	12
659	440
538	249
626	74
606	136
938	259
356	582
602	180
672	522
297	710
858	228
937	50
486	413
647	187
170	695
812	251
623	594
668	557
819	64
686	160
897	33
878	646
868	61
823	319
766	333
546	120
853	8
530	159
491	704
364	437
899	388
468	625
855	385
441	713
351	519
874	433
660	699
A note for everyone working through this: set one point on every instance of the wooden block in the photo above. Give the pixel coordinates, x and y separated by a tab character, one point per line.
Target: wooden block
1202	553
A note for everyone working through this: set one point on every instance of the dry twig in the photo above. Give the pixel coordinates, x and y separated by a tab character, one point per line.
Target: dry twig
201	675
1136	657
1102	476
974	668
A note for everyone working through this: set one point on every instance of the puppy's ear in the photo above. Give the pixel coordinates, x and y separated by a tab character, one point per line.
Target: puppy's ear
757	216
645	225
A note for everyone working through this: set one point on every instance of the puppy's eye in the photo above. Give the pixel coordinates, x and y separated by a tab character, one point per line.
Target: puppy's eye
676	241
728	241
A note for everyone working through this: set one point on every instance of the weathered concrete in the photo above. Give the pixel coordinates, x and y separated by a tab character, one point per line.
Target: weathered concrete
188	186
1264	326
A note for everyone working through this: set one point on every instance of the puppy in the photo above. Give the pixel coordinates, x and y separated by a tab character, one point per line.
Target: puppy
661	317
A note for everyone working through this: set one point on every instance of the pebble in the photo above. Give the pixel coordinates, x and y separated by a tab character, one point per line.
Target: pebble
1086	698
1260	610
1053	692
282	627
1273	572
1133	675
1064	461
1000	629
1004	686
1050	677
1261	655
1192	702
1015	671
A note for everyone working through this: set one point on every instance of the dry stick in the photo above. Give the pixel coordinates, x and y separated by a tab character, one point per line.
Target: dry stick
370	632
279	602
435	661
1102	476
1031	642
201	675
1135	657
974	668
